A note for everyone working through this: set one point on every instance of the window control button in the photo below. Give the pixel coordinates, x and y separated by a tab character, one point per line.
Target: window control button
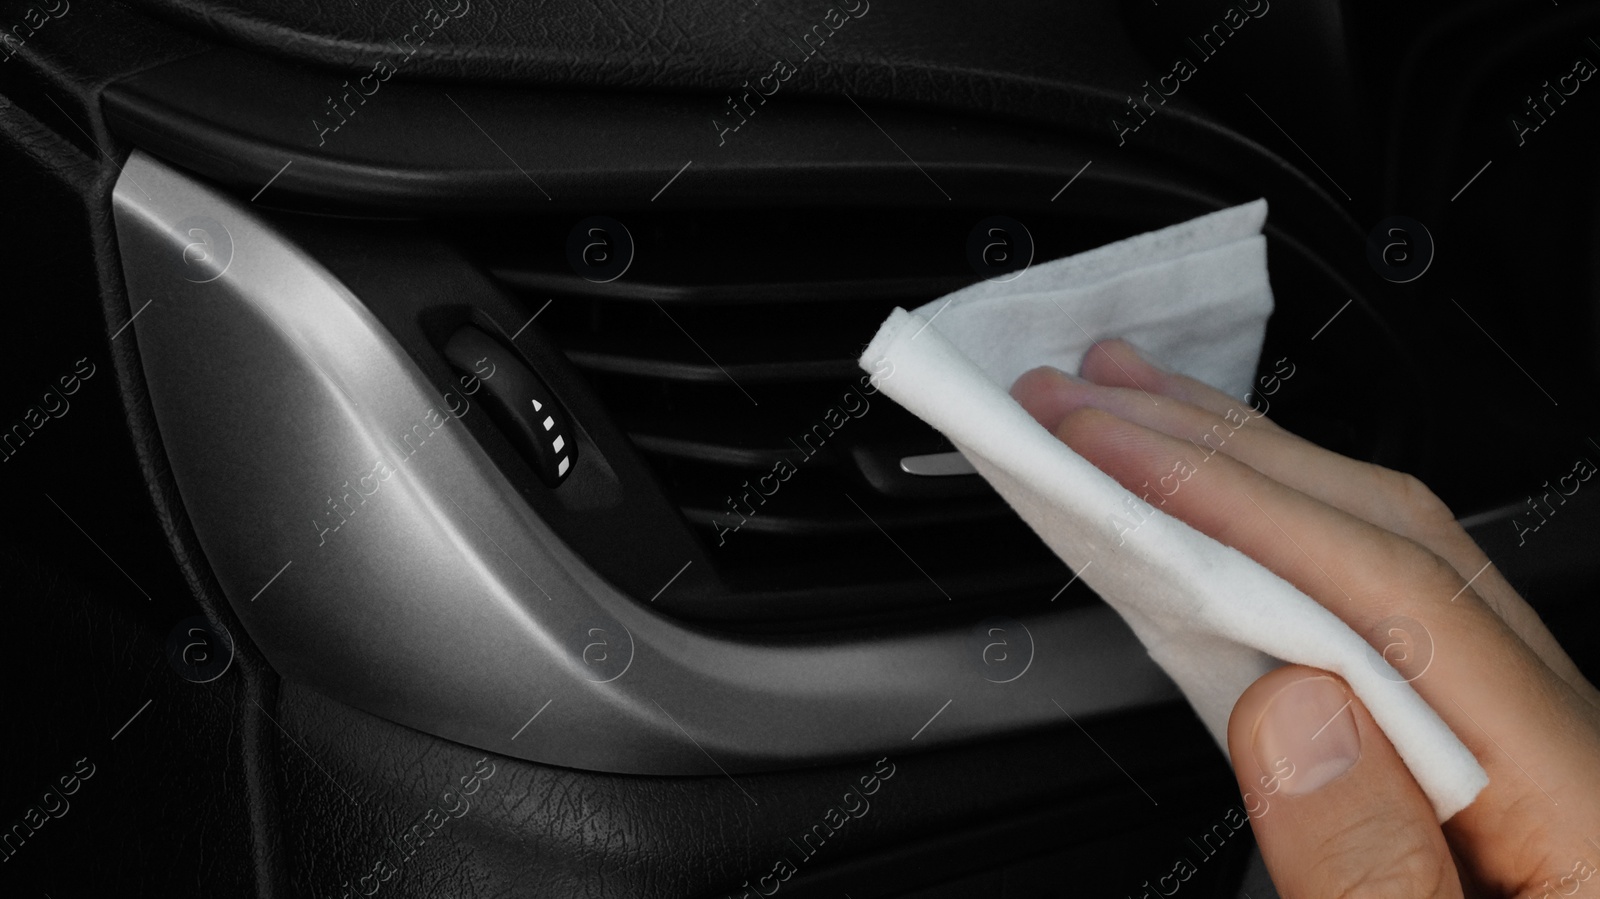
518	401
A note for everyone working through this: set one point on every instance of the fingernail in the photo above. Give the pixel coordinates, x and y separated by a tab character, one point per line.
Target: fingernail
1306	736
1117	362
1048	394
1066	376
1138	355
1045	380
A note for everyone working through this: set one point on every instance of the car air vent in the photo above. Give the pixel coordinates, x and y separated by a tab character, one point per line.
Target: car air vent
726	352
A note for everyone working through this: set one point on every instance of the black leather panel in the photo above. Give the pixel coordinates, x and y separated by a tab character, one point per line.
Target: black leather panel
1071	66
313	793
190	788
420	817
122	778
889	47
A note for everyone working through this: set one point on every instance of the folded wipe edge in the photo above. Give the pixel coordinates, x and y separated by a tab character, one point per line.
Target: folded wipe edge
1003	442
1222	321
1208	232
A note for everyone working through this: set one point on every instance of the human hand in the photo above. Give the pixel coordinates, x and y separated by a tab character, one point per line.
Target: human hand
1371	545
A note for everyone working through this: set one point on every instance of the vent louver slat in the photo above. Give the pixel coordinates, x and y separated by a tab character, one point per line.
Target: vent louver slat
726	358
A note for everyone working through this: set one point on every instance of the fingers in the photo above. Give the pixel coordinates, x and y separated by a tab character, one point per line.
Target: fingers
1385	498
1361	572
1115	363
1364	490
1535	734
1333	807
1390	500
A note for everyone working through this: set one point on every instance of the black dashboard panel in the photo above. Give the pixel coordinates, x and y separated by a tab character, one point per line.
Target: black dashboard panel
474	129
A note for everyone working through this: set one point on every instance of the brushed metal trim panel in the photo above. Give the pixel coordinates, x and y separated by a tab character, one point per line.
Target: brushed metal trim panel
442	602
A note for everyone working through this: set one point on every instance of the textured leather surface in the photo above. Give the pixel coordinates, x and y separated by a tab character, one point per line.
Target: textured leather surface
90	589
712	44
1068	65
355	786
192	792
59	70
167	809
310	794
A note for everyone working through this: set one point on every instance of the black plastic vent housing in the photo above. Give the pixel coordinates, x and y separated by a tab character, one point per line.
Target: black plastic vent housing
759	275
728	358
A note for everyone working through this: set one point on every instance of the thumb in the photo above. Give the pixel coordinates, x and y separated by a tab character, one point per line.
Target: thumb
1332	805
